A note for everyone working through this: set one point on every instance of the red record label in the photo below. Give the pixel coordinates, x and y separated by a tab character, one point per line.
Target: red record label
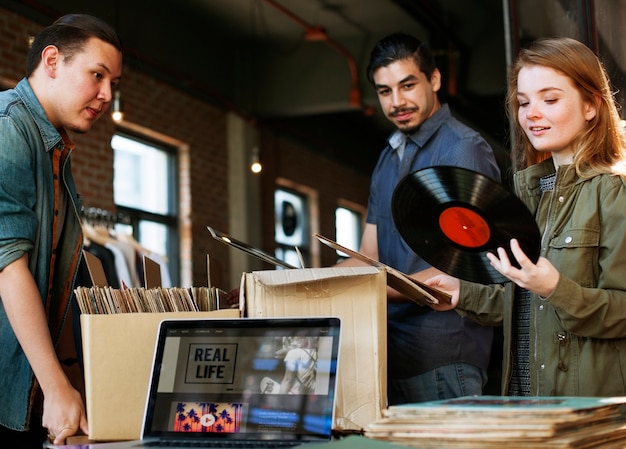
464	227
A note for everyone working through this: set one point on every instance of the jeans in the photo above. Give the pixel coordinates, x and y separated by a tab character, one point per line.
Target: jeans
31	439
445	382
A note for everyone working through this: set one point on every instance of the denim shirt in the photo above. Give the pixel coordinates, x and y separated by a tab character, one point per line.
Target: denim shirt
27	214
420	339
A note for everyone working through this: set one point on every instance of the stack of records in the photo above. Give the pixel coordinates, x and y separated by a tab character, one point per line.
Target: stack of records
498	421
108	300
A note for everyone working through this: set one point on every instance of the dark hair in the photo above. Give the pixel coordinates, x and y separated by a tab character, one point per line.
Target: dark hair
68	34
399	46
602	144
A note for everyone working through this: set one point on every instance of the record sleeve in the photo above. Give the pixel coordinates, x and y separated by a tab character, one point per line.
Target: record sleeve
248	249
413	289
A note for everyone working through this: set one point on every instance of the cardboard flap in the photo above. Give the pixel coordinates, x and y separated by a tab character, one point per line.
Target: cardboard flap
151	273
96	270
304	275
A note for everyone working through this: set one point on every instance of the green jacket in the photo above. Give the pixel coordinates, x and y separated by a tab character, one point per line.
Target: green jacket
578	333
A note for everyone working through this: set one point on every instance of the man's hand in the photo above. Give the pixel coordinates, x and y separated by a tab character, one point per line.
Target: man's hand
64	414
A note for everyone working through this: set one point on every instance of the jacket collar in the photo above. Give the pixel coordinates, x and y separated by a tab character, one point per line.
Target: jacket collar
50	135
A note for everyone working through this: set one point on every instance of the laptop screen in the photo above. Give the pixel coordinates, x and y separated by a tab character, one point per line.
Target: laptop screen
244	378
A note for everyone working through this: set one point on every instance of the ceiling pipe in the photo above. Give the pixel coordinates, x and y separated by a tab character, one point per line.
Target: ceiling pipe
317	33
149	65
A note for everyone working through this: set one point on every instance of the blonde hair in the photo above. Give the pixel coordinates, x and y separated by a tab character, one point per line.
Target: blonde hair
600	147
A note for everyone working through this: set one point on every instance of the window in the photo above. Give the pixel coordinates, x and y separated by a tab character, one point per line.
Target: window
145	194
348	228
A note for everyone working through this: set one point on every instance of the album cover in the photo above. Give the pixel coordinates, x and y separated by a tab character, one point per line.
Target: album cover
248	249
415	290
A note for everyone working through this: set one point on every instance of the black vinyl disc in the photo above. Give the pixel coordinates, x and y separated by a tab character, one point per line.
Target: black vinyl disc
451	217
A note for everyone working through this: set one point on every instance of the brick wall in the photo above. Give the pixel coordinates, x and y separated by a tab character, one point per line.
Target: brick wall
156	107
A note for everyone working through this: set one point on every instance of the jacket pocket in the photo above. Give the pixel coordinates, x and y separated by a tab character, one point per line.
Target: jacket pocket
576	238
574	252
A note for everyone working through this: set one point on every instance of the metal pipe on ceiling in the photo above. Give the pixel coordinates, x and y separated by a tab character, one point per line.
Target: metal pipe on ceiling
317	33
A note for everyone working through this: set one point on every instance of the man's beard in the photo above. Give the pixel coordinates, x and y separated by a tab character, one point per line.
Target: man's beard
406	129
409	130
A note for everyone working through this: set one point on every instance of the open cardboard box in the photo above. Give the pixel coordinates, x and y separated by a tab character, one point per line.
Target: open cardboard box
357	295
118	350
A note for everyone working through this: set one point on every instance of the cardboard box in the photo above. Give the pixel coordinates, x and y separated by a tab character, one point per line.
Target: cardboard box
118	351
357	295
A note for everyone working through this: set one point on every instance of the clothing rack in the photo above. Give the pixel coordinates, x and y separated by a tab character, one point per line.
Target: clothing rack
98	216
126	264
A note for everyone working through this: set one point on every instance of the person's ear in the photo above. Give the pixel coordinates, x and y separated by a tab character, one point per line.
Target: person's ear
50	58
435	80
591	108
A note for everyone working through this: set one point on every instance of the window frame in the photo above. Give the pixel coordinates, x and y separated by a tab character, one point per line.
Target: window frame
133	216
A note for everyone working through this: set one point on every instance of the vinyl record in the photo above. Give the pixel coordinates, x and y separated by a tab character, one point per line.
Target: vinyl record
451	217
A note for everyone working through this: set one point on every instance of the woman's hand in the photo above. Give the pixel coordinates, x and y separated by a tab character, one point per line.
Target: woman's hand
540	278
447	284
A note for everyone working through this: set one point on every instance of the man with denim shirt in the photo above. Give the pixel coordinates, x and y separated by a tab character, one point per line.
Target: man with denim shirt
431	355
72	68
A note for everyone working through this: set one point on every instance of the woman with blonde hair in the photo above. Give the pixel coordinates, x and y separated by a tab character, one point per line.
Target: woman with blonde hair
563	317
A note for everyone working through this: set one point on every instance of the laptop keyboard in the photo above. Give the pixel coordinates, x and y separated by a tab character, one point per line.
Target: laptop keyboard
264	444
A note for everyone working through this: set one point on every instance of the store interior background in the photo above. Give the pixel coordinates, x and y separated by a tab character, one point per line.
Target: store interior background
218	81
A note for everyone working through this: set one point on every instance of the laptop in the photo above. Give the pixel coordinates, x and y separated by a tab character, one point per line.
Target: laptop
225	381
